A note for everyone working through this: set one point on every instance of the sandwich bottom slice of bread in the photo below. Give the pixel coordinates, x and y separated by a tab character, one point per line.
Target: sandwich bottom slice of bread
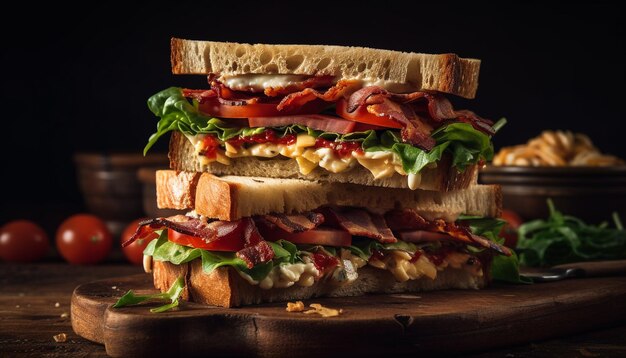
226	288
348	240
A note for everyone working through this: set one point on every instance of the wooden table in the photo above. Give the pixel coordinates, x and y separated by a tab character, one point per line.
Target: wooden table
35	299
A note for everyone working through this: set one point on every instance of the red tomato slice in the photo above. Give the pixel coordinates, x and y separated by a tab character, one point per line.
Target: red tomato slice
361	115
319	236
231	239
213	107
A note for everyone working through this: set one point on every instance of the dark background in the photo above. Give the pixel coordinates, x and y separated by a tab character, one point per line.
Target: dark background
77	79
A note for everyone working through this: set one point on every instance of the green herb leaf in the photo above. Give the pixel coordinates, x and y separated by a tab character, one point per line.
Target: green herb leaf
506	269
465	144
172	295
562	238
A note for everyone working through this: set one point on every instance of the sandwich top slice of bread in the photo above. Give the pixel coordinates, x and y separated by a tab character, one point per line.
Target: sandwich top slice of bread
234	197
447	73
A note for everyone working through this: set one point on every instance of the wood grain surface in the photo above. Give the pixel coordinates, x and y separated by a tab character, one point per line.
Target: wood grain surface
433	322
27	330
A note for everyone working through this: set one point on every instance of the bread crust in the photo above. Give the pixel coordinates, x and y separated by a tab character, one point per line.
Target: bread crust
447	73
231	198
183	157
224	287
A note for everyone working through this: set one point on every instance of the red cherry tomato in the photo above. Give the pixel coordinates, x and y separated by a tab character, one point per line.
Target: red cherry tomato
361	115
23	241
83	239
134	251
509	230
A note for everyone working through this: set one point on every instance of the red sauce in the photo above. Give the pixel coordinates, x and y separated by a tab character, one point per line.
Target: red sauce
376	254
268	136
210	145
341	149
416	256
323	262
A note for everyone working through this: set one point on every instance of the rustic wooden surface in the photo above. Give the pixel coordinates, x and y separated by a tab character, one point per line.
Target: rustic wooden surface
29	318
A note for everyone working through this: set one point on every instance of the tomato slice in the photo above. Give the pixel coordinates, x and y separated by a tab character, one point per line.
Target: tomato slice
231	239
319	236
361	115
213	107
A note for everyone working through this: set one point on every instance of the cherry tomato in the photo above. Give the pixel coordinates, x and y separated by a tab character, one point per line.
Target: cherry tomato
134	251
23	241
509	230
83	239
363	116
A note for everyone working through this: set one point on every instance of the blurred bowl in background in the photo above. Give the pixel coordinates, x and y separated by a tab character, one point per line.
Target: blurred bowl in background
110	187
590	193
147	176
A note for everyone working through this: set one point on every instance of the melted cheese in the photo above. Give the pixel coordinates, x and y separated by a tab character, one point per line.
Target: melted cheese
399	264
260	82
381	164
286	275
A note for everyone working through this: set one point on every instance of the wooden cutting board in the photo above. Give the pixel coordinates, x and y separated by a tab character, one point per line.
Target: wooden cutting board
442	322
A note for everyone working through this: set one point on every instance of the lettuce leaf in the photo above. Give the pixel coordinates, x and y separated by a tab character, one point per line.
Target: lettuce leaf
465	144
503	268
163	250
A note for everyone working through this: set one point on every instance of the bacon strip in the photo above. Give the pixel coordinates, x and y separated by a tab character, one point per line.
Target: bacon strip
295	223
360	222
333	94
256	254
407	219
181	223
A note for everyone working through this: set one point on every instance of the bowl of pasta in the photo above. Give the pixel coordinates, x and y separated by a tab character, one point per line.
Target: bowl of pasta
565	167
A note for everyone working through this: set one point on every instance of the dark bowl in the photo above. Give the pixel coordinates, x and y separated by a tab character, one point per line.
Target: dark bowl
590	193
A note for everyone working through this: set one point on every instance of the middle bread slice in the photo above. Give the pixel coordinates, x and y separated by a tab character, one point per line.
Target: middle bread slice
234	197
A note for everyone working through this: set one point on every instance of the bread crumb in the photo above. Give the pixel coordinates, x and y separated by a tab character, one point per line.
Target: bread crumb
297	306
64	315
323	311
57	305
114	287
60	338
17	306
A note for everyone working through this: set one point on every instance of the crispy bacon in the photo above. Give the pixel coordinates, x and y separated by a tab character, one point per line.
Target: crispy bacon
259	253
360	222
181	223
333	94
407	219
311	82
295	223
199	95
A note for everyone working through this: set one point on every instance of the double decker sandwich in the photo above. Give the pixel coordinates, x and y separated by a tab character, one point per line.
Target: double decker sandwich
320	171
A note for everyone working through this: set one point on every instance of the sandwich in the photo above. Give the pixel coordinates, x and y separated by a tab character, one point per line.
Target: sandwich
320	171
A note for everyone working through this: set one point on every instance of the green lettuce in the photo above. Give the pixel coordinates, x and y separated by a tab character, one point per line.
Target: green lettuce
563	238
172	295
503	268
465	144
163	250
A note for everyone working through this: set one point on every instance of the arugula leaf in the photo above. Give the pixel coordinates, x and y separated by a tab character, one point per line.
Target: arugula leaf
172	295
465	144
562	238
506	269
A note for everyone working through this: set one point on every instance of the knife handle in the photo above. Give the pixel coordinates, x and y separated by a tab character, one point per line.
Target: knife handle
598	268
